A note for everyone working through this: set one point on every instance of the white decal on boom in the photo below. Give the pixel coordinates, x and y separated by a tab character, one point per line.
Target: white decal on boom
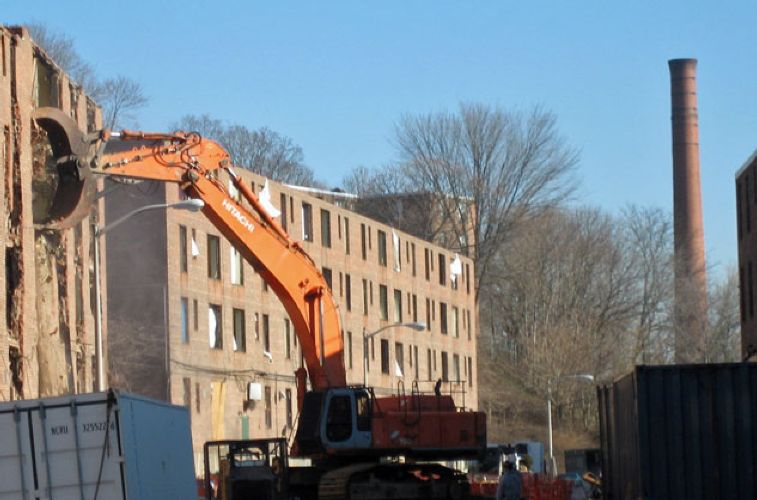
238	215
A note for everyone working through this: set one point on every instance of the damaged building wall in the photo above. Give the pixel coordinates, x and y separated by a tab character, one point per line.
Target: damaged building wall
47	347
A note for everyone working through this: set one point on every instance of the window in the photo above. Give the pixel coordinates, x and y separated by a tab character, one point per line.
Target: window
307	221
215	326
445	368
240	337
383	299
236	269
443	317
397	246
257	326
397	306
428	314
183	249
327	275
415	308
456	366
427	259
214	257
268	413
363	250
470	371
470	326
455	322
194	314
412	251
346	236
399	360
365	297
266	334
184	320
382	248
283	209
288	400
442	270
384	356
187	383
348	348
197	397
467	279
287	339
348	291
325	228
415	366
428	365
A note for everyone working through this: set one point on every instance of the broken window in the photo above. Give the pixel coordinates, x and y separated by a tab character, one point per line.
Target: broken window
240	337
45	92
12	291
215	326
16	369
214	257
237	270
307	221
382	248
397	306
399	360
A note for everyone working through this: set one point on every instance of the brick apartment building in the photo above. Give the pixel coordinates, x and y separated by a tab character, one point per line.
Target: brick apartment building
191	322
746	210
47	309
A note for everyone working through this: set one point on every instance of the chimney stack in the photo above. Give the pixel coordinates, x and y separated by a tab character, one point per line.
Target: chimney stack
690	276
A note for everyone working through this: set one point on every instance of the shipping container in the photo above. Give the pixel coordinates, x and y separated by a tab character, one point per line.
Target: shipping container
685	431
108	445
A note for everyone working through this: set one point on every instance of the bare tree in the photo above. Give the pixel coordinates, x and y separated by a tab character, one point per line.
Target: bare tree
263	151
504	166
61	49
723	334
120	97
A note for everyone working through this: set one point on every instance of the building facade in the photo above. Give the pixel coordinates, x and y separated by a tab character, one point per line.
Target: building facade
48	306
191	322
746	210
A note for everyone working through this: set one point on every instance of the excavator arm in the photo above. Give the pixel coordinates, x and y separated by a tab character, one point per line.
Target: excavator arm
193	163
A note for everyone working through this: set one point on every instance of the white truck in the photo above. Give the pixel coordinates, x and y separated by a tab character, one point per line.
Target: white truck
106	445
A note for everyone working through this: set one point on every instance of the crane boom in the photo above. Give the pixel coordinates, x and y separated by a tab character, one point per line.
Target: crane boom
193	162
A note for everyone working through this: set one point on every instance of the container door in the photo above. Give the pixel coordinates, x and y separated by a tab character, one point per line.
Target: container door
15	456
76	448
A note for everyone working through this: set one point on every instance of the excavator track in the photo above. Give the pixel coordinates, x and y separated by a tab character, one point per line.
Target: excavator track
393	481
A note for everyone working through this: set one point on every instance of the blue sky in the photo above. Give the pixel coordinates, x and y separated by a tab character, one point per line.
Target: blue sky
336	77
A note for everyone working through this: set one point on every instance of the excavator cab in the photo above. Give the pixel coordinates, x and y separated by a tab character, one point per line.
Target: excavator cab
336	420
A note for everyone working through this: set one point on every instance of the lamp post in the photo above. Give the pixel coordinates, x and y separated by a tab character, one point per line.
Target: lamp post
418	327
583	376
191	204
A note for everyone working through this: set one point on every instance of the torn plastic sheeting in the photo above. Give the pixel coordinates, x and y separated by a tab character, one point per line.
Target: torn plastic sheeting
396	244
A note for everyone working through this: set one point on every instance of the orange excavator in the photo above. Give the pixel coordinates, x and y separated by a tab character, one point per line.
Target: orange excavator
347	431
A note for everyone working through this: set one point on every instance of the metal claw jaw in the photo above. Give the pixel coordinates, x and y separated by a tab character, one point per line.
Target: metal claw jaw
73	152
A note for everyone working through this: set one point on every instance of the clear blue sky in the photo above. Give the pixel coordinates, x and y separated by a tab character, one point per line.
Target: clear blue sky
336	76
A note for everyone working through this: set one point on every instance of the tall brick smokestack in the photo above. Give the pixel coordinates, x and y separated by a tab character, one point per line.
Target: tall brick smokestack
690	276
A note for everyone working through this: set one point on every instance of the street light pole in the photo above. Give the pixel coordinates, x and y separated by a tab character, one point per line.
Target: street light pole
418	327
191	204
552	466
